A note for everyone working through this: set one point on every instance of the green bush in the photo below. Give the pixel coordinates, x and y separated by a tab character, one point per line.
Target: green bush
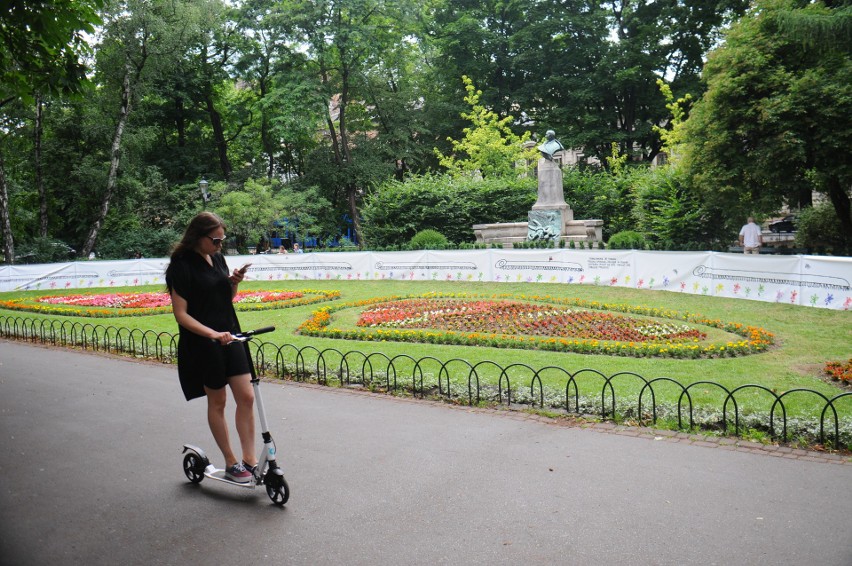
818	228
44	250
670	214
428	240
147	242
395	211
596	194
626	240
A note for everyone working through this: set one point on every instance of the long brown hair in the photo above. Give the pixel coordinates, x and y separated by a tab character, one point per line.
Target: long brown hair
199	227
202	224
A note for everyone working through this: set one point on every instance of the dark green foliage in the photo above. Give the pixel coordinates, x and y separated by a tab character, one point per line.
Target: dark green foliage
363	101
669	213
776	122
818	228
594	194
428	240
395	211
43	42
44	250
138	241
626	240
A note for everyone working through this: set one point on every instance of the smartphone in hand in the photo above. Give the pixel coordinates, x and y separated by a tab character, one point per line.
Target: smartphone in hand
244	268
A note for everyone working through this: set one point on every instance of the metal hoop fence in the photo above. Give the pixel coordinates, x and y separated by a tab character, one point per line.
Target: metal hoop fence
455	379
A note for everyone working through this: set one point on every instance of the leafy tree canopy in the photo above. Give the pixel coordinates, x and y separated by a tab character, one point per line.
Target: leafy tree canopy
776	121
43	42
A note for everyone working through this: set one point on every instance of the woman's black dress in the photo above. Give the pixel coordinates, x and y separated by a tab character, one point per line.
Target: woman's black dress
207	291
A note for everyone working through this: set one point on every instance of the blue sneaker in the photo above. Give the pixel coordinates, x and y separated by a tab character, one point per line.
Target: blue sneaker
250	469
238	474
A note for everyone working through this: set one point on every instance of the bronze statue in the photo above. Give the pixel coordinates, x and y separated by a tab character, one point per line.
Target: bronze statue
551	145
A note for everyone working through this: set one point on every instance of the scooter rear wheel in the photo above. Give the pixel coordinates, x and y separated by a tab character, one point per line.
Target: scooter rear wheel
193	467
277	489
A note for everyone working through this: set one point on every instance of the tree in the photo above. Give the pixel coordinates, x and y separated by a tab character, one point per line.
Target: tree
286	101
252	211
776	121
342	37
489	146
583	68
215	48
139	38
43	43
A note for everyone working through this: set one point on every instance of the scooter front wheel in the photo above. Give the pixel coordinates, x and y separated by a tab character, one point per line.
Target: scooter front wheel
277	489
193	467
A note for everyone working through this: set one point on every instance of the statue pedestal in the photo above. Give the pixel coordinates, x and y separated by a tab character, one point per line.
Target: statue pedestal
551	198
550	219
550	194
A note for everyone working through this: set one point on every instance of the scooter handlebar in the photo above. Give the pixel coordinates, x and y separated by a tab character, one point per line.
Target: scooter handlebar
247	335
263	330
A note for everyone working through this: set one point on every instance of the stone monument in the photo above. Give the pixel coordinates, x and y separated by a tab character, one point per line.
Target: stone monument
551	218
550	214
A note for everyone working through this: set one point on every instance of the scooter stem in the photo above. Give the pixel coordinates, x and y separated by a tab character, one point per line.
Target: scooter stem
258	401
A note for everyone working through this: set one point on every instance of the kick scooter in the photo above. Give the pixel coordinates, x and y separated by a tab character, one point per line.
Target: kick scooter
197	466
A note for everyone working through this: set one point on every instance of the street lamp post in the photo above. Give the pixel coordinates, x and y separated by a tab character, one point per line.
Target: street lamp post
203	184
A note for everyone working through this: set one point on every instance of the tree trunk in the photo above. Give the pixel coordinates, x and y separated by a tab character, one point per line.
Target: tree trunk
352	194
39	179
219	138
840	200
180	122
115	155
351	187
5	220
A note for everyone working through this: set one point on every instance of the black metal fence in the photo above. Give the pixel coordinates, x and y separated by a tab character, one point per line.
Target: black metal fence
470	381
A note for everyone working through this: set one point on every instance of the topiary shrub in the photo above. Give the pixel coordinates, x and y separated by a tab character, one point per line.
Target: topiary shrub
626	240
428	240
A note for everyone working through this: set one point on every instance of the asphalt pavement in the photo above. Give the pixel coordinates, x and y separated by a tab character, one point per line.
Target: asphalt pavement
91	474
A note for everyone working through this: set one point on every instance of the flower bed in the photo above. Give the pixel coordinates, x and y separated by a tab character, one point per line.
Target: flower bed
539	322
514	317
839	370
142	304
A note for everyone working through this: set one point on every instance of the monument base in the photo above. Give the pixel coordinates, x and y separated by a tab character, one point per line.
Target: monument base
590	232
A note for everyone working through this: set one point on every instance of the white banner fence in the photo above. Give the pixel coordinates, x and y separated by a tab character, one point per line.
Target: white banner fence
814	281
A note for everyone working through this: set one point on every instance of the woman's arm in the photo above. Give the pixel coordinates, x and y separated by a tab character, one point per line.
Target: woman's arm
179	308
236	278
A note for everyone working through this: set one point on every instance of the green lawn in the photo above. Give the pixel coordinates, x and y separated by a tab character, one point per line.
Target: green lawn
805	337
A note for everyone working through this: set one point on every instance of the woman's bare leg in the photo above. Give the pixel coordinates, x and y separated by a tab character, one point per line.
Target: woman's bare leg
216	401
244	417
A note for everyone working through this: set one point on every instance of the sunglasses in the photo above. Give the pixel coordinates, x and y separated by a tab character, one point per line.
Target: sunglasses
216	241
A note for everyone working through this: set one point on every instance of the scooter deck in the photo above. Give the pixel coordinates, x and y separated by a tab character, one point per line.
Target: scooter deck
219	475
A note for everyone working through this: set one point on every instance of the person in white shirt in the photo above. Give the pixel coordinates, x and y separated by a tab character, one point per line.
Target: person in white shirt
751	237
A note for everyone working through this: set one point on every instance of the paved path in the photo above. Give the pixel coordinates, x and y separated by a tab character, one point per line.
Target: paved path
91	474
